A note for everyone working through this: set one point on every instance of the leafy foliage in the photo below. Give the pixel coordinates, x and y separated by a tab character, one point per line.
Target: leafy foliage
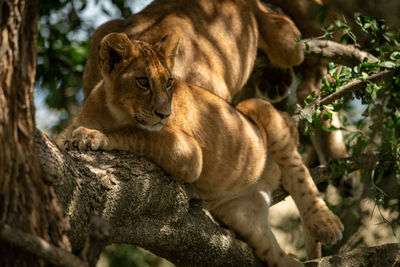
63	46
61	56
378	129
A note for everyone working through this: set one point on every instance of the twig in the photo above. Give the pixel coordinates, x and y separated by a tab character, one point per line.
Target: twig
39	247
96	240
323	173
351	87
356	85
347	55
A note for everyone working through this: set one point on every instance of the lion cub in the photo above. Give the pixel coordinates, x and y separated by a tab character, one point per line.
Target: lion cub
233	158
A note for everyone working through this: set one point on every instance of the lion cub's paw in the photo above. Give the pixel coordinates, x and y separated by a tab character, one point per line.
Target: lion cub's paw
324	226
85	139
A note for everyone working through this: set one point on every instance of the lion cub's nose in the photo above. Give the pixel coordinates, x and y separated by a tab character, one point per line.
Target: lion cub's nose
162	115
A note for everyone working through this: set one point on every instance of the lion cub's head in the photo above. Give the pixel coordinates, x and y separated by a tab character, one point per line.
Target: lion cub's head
137	78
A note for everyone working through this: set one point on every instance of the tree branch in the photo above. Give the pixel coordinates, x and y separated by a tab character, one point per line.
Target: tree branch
356	85
347	55
384	255
143	205
97	239
348	88
39	247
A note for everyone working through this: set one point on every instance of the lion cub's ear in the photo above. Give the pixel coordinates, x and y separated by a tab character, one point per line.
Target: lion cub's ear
168	47
114	49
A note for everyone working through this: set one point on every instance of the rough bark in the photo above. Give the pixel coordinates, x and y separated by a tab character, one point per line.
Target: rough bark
387	255
39	247
26	201
144	206
342	54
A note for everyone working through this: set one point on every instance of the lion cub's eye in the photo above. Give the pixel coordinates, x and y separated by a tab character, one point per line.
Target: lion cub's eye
143	82
170	81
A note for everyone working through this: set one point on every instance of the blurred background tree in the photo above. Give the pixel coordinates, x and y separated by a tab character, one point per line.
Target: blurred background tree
370	119
65	28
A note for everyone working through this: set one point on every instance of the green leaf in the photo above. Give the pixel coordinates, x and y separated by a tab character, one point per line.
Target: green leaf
337	106
361	143
350	137
306	128
326	107
343	119
364	75
372	89
338	23
335	170
332	69
393	201
388	64
307	117
327	116
329	129
395	55
344	39
369	66
317	113
346	73
310	98
330	27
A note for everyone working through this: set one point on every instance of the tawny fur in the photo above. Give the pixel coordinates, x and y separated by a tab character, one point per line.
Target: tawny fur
232	158
310	16
218	44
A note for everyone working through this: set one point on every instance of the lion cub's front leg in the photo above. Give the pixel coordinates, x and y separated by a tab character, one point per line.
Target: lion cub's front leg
177	153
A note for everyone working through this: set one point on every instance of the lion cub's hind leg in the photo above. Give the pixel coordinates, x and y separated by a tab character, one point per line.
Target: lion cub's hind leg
247	215
281	134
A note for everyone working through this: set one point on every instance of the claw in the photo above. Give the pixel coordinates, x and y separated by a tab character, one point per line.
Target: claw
66	145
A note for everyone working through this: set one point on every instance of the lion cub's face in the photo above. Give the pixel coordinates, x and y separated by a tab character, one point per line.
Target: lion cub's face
137	79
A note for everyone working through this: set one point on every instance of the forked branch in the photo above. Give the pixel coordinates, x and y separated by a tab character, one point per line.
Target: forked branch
39	247
342	54
346	89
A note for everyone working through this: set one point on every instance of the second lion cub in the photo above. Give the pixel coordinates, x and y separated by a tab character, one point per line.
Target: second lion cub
233	158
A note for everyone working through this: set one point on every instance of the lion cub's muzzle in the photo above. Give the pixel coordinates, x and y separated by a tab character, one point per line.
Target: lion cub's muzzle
162	114
153	123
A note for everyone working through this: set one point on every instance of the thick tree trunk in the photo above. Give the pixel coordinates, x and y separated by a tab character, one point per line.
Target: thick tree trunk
26	201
